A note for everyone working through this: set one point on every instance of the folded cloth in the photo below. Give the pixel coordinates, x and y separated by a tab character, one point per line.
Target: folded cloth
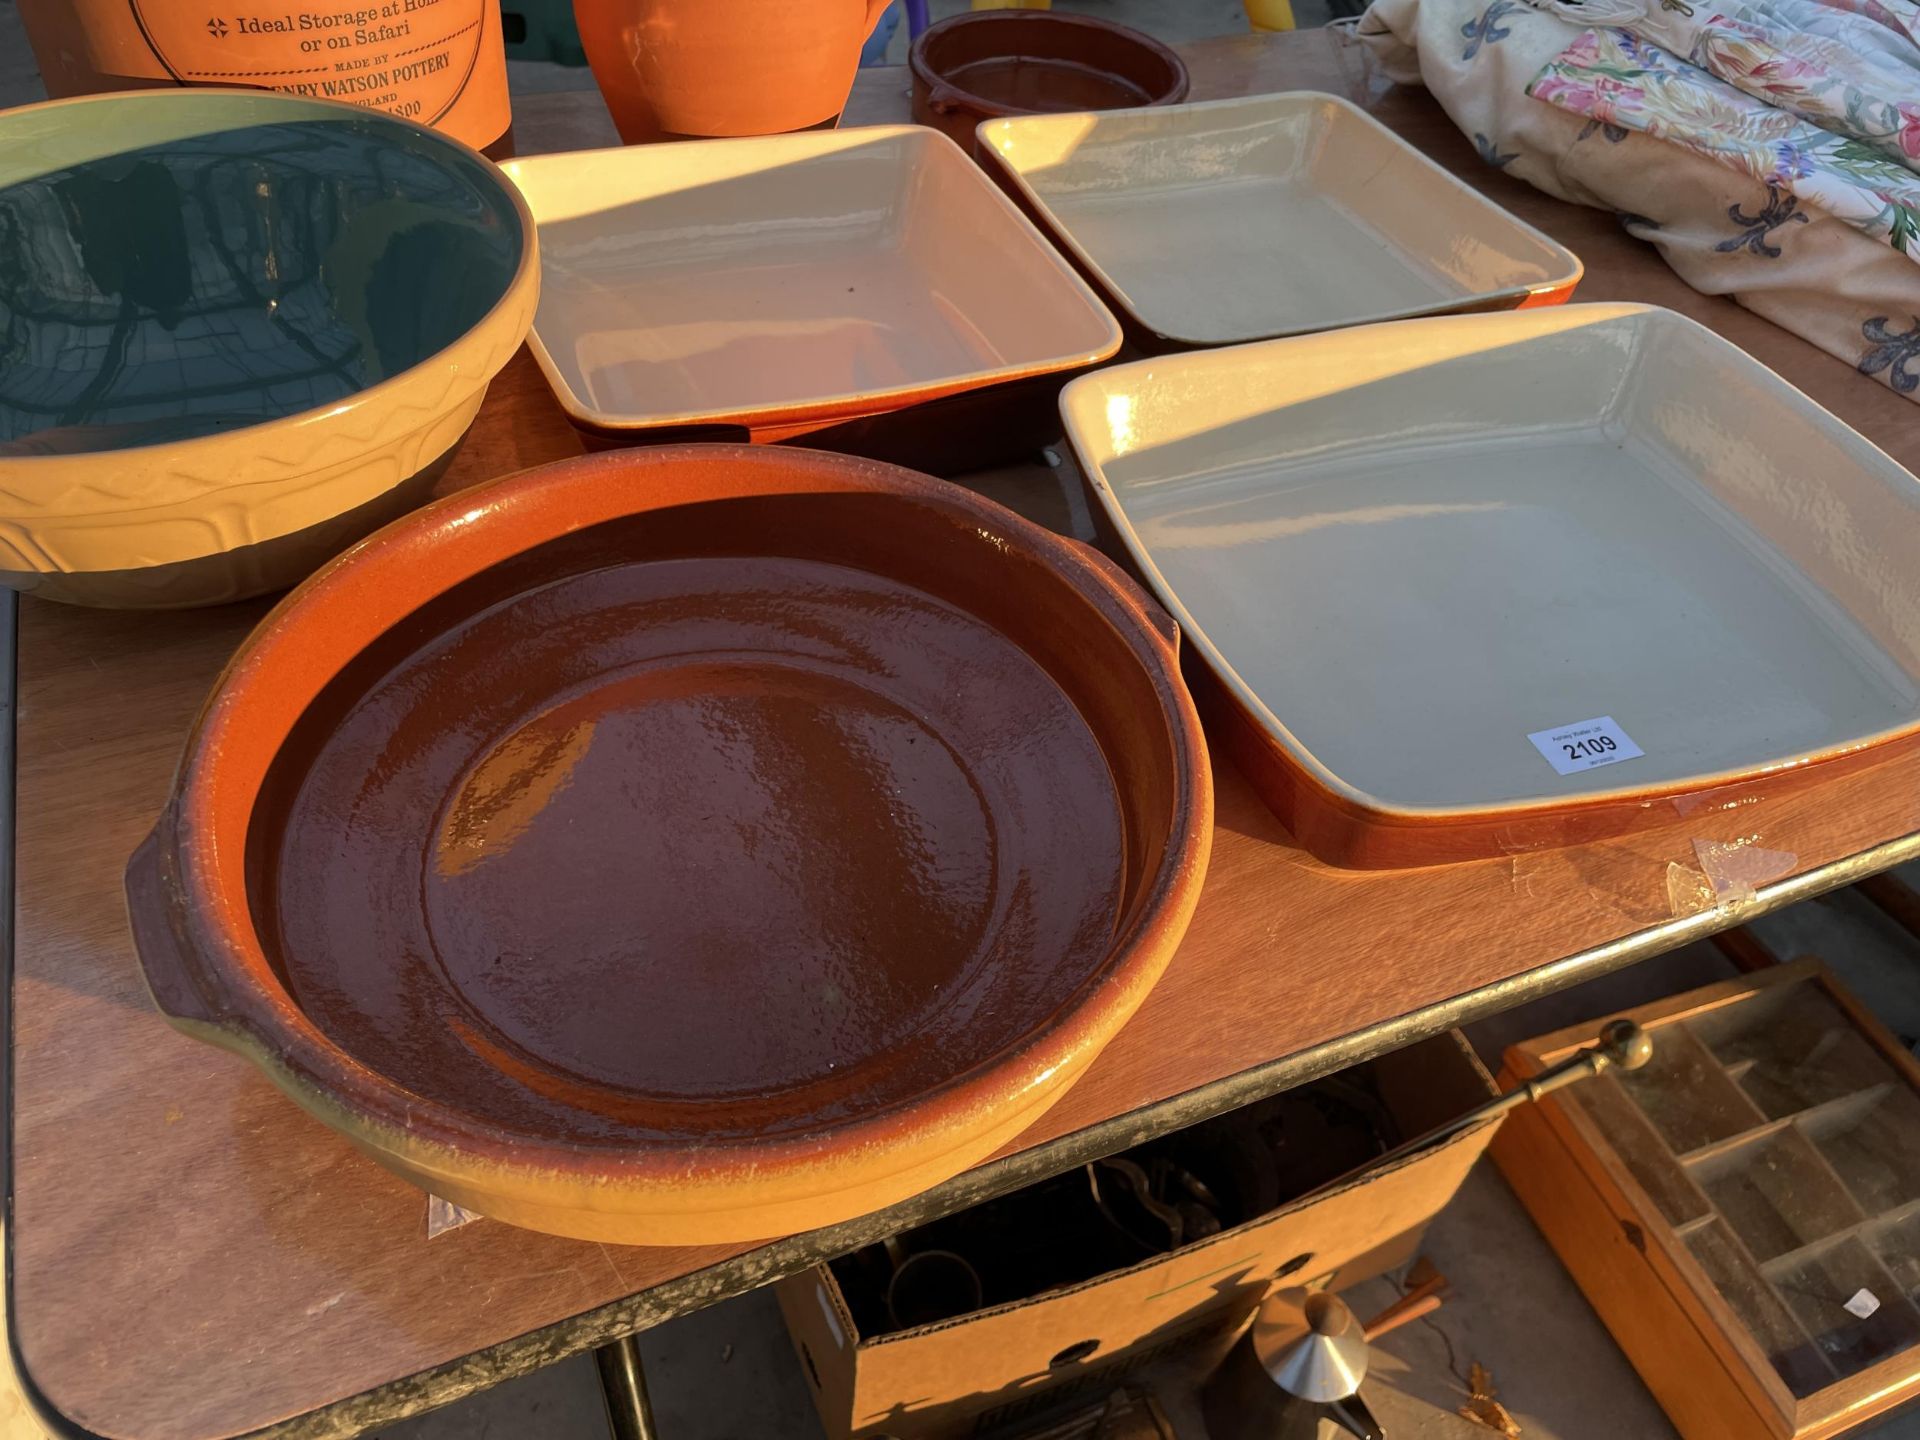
1725	229
1762	123
1851	66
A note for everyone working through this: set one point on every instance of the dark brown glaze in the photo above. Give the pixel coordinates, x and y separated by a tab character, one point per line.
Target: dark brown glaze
982	65
1016	83
715	845
684	844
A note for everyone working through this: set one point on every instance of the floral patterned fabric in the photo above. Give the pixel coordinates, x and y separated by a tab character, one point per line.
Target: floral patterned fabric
1849	66
1761	120
1724	226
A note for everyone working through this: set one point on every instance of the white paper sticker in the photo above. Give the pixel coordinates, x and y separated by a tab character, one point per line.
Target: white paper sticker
1585	745
1863	1304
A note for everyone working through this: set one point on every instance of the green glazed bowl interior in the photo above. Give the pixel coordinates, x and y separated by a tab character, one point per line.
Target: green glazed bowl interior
174	264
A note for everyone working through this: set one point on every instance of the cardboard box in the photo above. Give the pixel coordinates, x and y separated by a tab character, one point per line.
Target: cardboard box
995	1365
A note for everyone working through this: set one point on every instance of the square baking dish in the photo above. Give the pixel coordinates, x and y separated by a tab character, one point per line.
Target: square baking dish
1236	220
783	283
1474	585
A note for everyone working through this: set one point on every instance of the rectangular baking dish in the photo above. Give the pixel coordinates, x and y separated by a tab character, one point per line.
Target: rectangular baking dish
1234	220
783	283
1424	562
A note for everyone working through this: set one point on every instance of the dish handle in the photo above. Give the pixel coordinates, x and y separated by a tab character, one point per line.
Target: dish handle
1149	609
167	960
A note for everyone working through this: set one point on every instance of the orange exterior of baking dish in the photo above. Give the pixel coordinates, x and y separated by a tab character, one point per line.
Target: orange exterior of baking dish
535	1112
1354	837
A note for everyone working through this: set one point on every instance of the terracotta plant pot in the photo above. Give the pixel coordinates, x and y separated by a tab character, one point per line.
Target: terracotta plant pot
991	63
673	68
684	845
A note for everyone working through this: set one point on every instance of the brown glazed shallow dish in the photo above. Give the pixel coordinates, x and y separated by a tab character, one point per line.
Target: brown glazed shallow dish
990	63
684	845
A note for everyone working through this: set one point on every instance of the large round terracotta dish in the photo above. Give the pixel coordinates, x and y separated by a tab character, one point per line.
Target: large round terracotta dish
684	845
988	64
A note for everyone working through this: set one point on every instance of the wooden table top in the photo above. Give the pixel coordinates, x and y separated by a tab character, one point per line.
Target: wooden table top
193	1257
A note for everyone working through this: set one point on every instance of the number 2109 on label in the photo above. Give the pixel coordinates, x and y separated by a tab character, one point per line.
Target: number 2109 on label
1584	745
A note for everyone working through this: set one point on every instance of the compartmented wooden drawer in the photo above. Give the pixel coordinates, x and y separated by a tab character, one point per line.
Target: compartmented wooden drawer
1744	1212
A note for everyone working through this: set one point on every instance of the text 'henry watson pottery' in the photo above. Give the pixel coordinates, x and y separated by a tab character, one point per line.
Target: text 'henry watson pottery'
670	68
684	845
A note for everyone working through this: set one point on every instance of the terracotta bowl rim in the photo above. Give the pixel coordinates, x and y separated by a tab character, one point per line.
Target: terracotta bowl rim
186	454
207	902
920	63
